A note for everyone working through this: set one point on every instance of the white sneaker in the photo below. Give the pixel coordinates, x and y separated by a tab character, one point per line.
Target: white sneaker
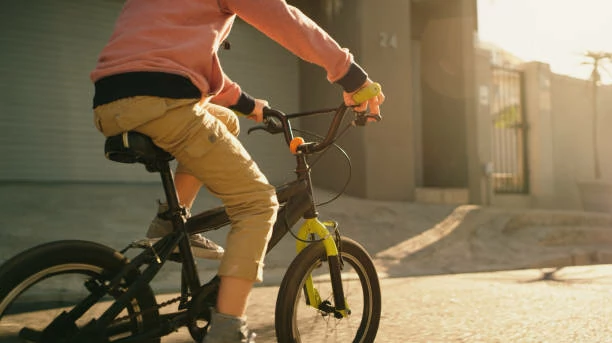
201	246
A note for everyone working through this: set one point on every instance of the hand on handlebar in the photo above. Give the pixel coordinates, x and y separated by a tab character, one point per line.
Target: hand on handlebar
373	104
257	114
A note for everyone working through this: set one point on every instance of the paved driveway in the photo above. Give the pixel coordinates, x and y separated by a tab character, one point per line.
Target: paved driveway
574	306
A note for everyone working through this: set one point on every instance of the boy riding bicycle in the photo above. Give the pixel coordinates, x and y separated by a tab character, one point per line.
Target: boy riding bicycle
160	75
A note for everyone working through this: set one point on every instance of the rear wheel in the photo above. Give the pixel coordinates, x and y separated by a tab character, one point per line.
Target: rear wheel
40	284
296	321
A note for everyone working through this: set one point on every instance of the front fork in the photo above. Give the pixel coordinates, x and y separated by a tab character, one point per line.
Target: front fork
322	229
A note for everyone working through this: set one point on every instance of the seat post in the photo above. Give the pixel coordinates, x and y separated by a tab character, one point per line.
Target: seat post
168	184
189	271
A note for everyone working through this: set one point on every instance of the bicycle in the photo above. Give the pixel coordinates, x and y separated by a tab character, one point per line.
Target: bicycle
118	305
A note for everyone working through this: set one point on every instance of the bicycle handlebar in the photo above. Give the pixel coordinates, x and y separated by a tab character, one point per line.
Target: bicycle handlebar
276	121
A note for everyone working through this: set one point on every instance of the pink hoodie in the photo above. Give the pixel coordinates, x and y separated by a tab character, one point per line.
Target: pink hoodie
182	37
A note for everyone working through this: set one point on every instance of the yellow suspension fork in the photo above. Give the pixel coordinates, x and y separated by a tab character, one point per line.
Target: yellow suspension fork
322	230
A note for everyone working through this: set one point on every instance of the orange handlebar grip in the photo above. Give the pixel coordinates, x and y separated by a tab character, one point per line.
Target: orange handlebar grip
295	143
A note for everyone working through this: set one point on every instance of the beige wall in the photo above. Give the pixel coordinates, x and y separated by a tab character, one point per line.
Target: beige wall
559	113
381	154
573	135
540	148
605	131
389	148
483	125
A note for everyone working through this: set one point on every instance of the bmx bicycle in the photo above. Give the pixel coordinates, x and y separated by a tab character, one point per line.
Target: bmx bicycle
330	291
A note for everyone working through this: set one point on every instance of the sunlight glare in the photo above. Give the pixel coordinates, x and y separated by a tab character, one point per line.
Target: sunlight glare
556	32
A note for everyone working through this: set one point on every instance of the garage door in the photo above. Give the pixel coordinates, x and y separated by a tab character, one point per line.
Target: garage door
48	49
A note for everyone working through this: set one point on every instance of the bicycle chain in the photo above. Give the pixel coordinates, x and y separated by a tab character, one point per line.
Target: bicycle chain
155	308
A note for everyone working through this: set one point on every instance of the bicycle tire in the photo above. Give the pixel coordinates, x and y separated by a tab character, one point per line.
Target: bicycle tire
39	266
290	297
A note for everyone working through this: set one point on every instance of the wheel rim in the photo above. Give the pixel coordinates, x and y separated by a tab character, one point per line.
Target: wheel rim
33	279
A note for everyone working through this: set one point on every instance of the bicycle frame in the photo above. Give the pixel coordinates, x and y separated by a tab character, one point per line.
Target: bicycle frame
296	201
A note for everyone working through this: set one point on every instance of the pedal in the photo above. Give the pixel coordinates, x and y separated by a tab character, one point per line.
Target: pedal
144	243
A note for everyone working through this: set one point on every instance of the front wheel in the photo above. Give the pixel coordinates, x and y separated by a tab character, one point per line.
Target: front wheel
297	321
42	285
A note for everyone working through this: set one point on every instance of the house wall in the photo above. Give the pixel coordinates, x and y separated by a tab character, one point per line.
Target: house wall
445	37
483	125
559	113
572	107
450	130
382	153
391	159
387	53
384	156
540	127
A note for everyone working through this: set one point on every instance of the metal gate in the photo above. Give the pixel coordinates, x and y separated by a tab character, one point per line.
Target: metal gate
509	132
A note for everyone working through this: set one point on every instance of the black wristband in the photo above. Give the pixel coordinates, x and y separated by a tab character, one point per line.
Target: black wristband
245	104
353	79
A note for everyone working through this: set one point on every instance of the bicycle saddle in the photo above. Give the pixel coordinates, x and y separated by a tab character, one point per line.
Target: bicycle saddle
134	147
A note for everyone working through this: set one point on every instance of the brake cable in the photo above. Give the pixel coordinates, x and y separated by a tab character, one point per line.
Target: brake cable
318	158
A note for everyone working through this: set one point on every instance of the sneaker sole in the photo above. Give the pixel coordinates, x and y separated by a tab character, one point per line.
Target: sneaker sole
197	251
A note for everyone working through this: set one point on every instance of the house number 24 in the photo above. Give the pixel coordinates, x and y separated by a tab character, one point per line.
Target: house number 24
388	40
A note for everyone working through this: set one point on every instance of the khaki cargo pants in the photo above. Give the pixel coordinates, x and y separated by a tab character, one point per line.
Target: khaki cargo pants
202	139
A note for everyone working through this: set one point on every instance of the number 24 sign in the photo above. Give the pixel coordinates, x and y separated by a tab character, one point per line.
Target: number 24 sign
388	40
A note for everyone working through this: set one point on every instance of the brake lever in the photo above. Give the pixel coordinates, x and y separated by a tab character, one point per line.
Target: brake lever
271	125
362	118
377	117
255	128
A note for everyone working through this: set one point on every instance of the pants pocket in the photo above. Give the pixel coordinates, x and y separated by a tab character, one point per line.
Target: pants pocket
198	145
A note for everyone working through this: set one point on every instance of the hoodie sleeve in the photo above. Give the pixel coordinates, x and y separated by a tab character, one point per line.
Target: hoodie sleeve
292	29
